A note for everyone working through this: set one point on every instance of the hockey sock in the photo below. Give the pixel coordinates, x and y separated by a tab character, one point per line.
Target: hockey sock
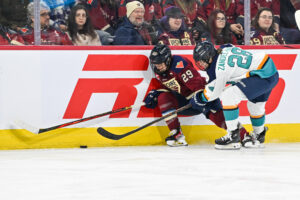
172	121
231	117
218	119
167	103
258	123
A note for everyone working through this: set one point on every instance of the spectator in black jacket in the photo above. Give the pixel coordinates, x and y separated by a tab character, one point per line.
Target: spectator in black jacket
133	30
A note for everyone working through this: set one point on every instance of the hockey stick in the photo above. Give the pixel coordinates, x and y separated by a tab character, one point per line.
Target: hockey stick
113	136
42	130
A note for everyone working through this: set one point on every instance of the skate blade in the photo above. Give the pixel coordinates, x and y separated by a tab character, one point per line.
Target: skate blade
176	144
256	145
232	146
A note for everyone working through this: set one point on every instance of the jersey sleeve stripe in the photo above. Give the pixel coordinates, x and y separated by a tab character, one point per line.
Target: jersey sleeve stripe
263	62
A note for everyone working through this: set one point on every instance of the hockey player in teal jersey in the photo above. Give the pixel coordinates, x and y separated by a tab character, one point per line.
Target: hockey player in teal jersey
236	75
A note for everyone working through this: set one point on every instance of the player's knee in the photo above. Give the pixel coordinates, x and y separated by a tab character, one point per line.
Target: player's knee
232	96
167	101
256	109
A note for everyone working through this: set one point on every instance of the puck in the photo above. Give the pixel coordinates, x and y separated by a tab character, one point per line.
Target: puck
83	146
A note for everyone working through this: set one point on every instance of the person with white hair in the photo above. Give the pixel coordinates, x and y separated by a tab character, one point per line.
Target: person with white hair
133	30
49	35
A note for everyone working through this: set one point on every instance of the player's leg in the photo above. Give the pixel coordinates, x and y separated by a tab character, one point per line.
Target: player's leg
257	116
168	103
257	90
231	97
214	112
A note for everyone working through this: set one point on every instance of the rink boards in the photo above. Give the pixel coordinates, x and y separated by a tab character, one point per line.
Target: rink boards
47	86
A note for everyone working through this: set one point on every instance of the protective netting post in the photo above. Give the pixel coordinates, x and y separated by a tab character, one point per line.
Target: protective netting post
247	21
37	24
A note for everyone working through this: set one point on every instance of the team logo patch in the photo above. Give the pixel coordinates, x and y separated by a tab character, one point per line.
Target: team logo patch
179	65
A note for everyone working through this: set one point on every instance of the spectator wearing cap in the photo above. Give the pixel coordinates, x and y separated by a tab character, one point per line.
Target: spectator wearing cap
153	9
49	35
193	10
174	29
132	30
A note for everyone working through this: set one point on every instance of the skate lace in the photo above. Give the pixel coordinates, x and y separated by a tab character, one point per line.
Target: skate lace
225	137
253	135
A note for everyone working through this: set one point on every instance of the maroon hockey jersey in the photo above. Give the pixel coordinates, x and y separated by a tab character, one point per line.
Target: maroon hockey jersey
182	77
49	36
260	37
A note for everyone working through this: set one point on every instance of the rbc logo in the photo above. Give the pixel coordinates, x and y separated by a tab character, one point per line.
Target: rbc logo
127	93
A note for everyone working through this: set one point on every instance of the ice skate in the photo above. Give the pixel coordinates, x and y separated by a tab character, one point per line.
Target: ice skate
176	138
255	140
230	141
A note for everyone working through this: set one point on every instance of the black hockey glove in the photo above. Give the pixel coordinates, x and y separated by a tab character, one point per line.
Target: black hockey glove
198	102
151	99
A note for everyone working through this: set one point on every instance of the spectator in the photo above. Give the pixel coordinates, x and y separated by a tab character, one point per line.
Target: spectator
60	10
192	9
218	29
263	32
103	13
274	5
133	30
288	26
174	29
49	35
153	10
13	13
231	9
80	28
9	37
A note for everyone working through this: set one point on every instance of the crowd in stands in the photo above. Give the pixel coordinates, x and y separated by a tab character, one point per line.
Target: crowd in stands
148	22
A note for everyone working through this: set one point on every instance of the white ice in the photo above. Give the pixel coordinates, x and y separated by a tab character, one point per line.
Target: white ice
196	172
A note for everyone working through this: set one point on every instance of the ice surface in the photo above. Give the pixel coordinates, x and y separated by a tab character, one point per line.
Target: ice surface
196	172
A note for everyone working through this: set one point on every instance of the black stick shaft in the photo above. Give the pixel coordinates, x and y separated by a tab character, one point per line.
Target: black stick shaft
113	136
42	130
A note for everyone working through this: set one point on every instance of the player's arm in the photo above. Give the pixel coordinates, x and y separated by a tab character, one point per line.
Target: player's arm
214	89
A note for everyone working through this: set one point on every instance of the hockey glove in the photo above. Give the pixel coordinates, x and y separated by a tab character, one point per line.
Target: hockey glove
198	101
151	99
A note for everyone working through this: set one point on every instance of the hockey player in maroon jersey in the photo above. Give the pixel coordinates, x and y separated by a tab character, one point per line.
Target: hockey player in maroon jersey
179	82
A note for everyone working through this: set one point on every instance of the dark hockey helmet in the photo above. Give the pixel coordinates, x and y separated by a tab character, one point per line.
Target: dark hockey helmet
160	54
203	52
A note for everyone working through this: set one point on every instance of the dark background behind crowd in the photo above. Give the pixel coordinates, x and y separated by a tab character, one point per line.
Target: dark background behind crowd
148	22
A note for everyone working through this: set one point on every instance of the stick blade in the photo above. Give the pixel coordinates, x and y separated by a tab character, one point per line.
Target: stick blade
109	135
26	126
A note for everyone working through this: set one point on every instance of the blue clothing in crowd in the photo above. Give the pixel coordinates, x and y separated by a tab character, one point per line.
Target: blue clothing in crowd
128	34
